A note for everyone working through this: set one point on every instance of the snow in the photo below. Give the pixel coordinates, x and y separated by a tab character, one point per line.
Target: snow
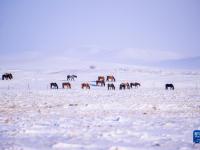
32	116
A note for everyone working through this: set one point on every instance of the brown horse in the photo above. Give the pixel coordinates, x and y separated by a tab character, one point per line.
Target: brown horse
101	78
66	85
100	82
110	78
111	86
7	76
85	85
135	84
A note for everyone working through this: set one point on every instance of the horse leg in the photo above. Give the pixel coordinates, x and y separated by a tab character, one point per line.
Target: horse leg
107	79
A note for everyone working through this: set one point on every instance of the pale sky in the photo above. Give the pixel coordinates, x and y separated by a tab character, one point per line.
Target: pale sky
120	29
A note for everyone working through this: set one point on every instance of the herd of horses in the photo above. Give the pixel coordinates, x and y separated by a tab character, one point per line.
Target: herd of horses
101	81
67	85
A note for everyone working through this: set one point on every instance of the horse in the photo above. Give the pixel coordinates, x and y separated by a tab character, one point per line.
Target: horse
127	85
111	86
124	86
85	85
135	84
100	82
101	78
110	78
169	86
53	85
7	76
71	77
66	85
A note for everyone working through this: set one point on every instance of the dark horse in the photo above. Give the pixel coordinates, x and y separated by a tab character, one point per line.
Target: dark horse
85	85
7	76
124	86
53	85
101	78
100	82
110	78
135	84
169	86
66	85
71	77
111	86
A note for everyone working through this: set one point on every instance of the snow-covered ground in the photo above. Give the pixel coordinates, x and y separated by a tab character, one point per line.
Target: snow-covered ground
32	116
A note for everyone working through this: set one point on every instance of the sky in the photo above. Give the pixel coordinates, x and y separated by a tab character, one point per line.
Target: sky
119	30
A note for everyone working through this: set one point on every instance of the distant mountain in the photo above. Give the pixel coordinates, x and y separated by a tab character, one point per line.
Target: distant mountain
186	63
89	56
